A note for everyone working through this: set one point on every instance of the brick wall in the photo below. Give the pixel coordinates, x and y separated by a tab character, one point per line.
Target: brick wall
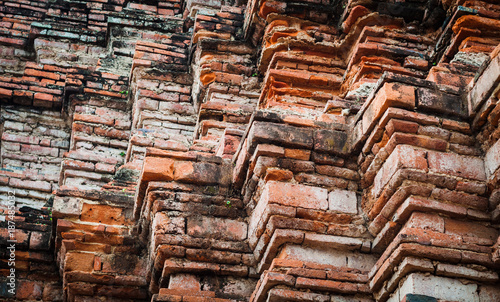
269	150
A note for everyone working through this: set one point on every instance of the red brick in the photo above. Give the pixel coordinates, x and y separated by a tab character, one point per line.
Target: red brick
416	63
476	22
105	168
416	140
390	95
112	133
470	229
327	285
456	126
20	138
298	154
467	200
97	263
185	281
279	294
296	195
403	156
273	174
395	125
81	165
18	42
457	165
79	127
197	172
105	93
93	119
334	242
413	204
102	213
79	262
337	172
5	93
43	74
279	222
34	149
29	290
426	221
323	216
216	228
268	150
31	185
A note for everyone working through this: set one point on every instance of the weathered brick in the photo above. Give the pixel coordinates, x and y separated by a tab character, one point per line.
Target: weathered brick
102	213
390	95
329	141
208	227
29	290
343	201
197	172
439	102
492	159
298	154
40	150
296	195
68	117
83	262
403	156
457	165
105	168
395	125
163	224
31	184
450	289
285	135
157	168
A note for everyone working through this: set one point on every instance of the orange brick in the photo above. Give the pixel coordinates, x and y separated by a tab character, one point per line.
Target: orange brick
44	97
278	175
102	213
42	74
390	95
5	93
395	125
298	154
296	195
79	262
93	119
327	285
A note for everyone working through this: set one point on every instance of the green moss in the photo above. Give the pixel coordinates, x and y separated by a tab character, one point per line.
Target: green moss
211	190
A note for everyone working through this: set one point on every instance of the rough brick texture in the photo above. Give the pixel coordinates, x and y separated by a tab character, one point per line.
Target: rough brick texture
250	150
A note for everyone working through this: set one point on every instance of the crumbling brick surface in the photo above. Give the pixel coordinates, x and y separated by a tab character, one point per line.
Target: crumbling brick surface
249	150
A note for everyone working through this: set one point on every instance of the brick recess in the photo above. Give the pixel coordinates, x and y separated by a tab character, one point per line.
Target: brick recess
251	150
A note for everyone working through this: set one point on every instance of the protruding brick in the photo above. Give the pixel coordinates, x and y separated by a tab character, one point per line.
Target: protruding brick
343	201
296	195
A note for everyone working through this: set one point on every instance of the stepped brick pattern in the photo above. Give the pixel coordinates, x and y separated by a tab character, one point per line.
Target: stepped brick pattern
250	150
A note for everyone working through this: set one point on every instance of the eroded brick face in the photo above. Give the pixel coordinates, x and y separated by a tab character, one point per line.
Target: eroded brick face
250	150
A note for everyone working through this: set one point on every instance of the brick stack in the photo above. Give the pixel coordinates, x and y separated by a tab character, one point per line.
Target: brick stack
32	146
33	142
36	273
192	227
162	115
96	255
271	150
225	86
